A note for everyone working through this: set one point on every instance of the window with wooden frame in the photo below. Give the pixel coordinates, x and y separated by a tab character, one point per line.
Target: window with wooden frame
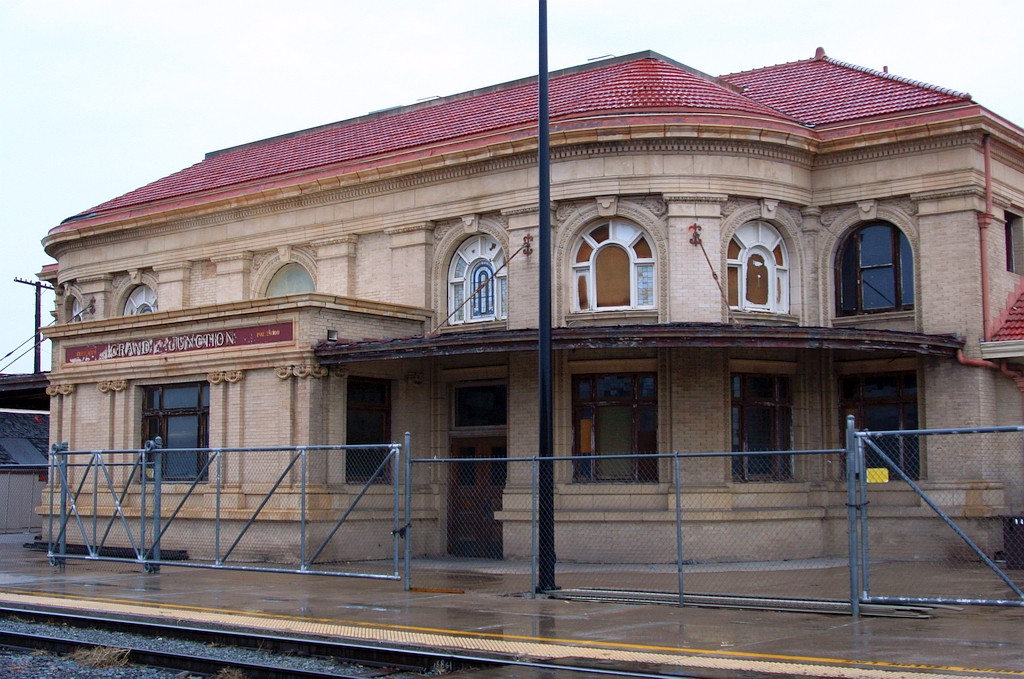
368	423
875	271
613	268
477	282
758	269
615	423
179	414
762	420
884	402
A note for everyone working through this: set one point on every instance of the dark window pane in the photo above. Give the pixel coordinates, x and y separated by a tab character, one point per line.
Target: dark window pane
849	302
367	422
849	388
361	463
181	397
366	427
615	386
648	387
481	406
882	417
498	471
881	386
906	272
878	286
876	246
760	387
617	417
375	393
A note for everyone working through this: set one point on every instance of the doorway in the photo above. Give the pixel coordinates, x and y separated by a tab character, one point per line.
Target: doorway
475	486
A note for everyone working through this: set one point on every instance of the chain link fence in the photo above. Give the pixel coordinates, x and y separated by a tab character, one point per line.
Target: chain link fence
922	516
681	532
317	509
941	516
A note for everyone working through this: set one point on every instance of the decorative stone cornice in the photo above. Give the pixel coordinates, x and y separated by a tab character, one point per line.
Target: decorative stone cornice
60	389
314	371
228	376
695	198
897	149
111	385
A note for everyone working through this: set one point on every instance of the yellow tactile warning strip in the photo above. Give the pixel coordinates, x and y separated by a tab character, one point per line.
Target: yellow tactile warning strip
537	648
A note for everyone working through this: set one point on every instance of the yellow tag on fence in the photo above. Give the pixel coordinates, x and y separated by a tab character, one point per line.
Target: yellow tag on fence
878	475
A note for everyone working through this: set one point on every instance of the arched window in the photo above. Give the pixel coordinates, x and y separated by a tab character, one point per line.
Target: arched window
75	310
290	279
758	269
613	267
875	271
142	300
477	274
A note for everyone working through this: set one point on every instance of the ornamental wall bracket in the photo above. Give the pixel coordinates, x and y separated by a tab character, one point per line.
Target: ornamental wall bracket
60	389
107	386
315	371
225	376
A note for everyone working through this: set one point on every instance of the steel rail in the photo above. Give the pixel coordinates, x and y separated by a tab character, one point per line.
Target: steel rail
396	659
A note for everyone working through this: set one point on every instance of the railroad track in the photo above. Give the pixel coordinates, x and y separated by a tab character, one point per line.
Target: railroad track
352	660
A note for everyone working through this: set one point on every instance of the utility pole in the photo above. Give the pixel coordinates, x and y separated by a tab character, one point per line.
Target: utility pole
39	286
545	467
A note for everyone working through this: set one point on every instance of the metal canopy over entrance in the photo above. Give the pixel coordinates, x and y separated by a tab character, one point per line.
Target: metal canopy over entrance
634	336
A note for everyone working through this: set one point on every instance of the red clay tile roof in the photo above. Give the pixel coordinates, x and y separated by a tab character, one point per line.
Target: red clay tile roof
801	93
1010	326
822	90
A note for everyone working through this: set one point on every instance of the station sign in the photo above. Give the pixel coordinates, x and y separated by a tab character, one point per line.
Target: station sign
176	344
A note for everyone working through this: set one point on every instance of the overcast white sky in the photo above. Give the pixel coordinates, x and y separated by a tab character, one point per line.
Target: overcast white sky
100	97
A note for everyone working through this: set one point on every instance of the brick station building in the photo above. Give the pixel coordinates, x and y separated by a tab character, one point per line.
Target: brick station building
738	263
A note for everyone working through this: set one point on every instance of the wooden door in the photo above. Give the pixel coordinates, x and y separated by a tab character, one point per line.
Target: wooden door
475	485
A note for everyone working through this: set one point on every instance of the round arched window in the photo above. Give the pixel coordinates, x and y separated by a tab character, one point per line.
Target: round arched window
614	268
477	274
142	300
290	279
758	269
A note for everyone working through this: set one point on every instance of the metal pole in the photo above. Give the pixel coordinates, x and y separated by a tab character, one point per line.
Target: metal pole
302	510
851	514
408	512
546	476
396	528
39	286
679	528
158	482
216	518
533	527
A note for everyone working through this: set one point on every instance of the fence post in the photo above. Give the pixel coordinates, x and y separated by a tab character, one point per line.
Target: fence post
158	482
397	532
302	510
216	517
408	512
852	509
679	526
62	539
534	473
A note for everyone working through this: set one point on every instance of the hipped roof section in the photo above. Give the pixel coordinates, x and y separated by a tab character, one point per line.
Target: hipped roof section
802	94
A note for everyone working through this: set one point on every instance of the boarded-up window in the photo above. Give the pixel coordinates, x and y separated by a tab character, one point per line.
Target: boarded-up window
612	271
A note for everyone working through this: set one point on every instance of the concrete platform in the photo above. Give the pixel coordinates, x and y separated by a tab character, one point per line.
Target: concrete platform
973	641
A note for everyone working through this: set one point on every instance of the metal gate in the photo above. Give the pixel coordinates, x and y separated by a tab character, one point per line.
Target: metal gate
952	494
305	509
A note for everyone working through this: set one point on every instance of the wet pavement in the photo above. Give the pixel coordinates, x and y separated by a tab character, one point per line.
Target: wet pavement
966	641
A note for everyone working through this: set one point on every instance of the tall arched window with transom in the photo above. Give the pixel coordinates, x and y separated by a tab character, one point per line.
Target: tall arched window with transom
613	267
758	269
477	282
